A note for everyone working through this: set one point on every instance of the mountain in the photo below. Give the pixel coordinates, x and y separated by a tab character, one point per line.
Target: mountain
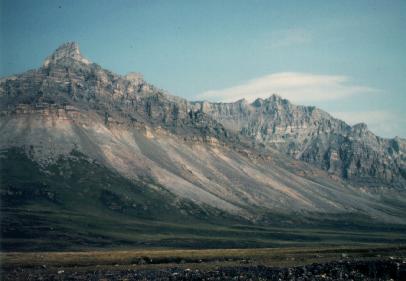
309	134
93	158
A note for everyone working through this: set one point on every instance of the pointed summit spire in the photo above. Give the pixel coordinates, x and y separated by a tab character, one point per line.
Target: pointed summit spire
70	51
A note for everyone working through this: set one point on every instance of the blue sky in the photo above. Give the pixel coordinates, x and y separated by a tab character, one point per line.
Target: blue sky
347	57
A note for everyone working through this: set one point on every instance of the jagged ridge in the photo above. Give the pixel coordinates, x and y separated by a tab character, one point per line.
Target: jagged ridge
305	133
312	135
222	155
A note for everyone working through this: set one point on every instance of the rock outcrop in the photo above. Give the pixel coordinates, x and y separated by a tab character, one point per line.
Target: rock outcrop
88	156
67	78
312	135
302	132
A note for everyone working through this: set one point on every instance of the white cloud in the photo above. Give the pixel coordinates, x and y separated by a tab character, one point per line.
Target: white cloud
382	123
296	87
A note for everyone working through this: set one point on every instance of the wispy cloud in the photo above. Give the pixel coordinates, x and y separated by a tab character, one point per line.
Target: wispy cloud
297	87
381	122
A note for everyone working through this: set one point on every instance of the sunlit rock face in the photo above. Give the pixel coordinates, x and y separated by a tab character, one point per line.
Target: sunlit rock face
67	51
312	135
246	159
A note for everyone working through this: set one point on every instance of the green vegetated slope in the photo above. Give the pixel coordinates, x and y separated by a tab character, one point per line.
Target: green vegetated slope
76	203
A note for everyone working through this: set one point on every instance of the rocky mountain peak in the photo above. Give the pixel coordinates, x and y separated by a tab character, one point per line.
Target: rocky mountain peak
302	132
258	102
361	127
67	51
274	99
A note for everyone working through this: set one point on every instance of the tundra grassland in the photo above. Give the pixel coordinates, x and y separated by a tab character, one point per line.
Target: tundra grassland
155	263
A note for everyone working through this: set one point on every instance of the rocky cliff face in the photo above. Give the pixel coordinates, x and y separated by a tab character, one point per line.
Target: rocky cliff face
226	156
88	157
312	135
67	78
304	133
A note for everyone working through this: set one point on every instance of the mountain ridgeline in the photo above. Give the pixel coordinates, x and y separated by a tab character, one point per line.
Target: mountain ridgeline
312	135
302	132
82	144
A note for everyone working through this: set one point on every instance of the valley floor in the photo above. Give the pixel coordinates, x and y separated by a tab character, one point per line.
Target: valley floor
365	262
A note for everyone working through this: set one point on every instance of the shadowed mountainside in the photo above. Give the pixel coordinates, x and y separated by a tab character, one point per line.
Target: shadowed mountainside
80	143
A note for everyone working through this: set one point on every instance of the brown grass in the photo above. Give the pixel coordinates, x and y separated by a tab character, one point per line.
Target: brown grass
157	257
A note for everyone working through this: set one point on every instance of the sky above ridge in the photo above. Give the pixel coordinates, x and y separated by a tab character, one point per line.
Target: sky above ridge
346	57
